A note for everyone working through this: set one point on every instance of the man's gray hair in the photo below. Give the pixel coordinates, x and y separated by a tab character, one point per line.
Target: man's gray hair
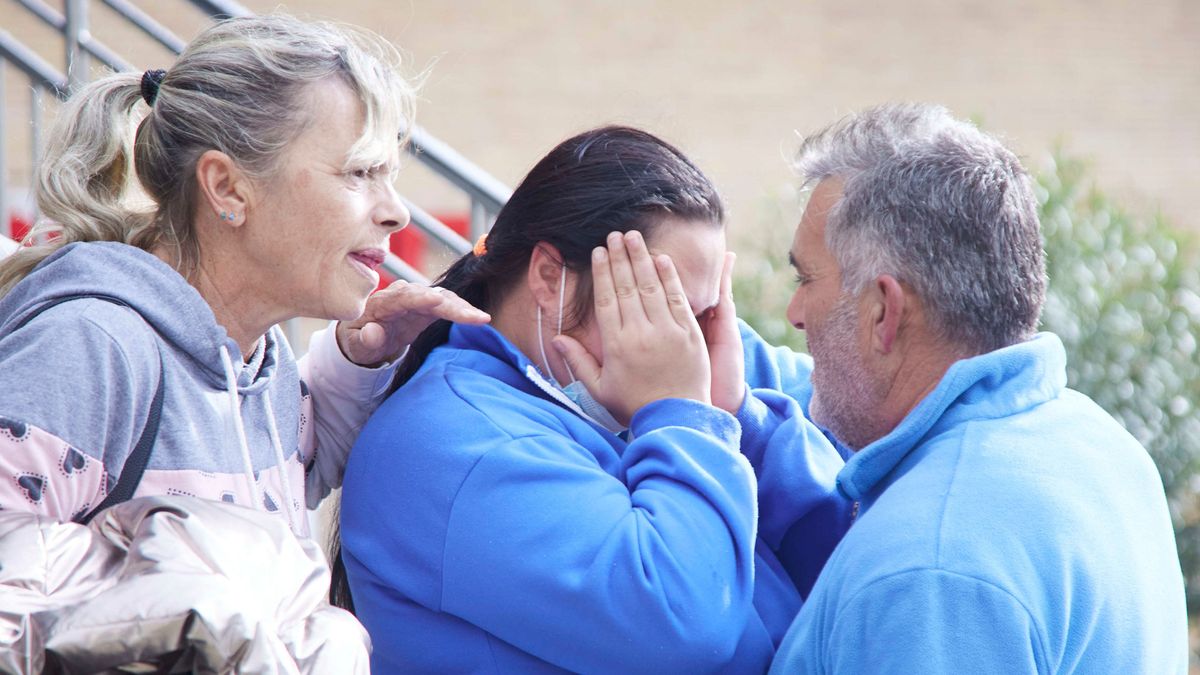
941	206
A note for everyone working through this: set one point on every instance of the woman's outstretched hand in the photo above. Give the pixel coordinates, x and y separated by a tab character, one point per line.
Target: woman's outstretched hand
652	346
395	316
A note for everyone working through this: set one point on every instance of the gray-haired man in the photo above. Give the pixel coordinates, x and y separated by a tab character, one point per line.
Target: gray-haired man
1006	522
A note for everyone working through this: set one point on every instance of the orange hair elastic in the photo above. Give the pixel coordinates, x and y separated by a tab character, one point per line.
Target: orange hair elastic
480	248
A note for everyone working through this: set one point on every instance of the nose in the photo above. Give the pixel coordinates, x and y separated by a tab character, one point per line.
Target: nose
390	212
795	309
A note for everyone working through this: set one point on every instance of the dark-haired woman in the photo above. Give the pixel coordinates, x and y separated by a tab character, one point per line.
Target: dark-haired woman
498	518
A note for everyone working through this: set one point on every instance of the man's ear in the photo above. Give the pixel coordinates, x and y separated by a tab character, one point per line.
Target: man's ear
888	303
223	186
545	274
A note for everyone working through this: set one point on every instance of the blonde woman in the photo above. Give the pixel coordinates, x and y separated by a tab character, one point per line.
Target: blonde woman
139	353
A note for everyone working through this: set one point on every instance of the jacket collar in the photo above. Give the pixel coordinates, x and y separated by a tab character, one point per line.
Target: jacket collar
991	385
491	342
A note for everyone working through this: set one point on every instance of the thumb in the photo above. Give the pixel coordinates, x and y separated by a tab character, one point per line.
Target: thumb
582	363
372	336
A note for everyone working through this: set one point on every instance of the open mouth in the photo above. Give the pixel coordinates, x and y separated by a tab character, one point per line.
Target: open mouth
368	261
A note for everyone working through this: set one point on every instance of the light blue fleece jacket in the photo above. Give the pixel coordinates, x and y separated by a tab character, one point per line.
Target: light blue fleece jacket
1007	525
487	527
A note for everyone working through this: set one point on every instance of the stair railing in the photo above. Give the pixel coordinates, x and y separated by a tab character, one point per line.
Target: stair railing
485	193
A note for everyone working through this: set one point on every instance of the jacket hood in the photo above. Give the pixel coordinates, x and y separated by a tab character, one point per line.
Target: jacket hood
163	298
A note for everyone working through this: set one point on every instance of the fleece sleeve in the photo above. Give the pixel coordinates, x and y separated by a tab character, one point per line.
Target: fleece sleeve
344	395
933	621
550	553
778	368
802	515
73	400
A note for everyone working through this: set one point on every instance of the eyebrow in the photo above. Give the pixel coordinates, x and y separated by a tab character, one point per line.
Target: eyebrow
792	260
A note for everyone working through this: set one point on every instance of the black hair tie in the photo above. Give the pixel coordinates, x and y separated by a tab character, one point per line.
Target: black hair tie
151	79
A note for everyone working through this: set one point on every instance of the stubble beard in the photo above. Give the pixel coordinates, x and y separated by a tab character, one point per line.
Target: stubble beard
846	398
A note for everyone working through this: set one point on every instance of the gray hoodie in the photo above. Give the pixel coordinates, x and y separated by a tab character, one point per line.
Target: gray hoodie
77	380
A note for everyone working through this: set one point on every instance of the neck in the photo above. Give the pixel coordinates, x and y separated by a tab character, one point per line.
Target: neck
234	298
516	319
919	371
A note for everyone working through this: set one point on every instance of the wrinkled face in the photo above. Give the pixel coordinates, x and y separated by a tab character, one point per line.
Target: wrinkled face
319	228
846	394
698	251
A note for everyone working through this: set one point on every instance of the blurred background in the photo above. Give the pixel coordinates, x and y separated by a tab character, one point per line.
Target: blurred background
1100	97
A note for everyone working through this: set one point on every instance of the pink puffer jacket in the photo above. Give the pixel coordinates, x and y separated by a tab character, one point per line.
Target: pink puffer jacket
176	583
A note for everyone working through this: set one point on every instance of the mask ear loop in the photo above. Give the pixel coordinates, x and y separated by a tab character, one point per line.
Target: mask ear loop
542	345
562	296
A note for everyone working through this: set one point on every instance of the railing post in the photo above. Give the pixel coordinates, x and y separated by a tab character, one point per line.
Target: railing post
35	141
5	215
479	219
78	63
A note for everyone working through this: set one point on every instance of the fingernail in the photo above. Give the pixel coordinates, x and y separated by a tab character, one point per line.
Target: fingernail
614	237
598	254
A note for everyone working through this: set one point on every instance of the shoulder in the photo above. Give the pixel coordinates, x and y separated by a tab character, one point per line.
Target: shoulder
451	395
89	323
77	369
447	417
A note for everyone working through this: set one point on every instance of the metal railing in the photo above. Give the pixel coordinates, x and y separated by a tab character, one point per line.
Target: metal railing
486	195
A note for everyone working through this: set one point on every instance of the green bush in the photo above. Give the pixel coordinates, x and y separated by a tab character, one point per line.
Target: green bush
762	280
1124	297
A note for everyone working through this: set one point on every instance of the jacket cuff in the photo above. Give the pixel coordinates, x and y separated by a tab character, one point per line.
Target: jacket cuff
333	369
679	412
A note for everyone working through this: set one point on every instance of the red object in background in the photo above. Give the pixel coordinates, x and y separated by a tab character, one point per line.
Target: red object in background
410	243
18	228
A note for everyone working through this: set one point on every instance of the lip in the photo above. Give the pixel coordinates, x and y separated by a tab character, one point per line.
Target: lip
368	260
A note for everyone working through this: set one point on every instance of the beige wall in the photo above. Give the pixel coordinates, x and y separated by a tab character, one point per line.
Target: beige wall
1115	81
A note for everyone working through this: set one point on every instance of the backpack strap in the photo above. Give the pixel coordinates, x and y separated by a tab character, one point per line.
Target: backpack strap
135	463
139	457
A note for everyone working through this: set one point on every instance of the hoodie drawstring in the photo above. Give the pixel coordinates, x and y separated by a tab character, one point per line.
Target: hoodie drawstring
273	432
239	427
287	488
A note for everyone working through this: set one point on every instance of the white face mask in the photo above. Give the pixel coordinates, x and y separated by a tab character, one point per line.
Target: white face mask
575	390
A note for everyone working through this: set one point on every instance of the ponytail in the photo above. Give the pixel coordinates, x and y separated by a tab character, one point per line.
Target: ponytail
83	177
238	88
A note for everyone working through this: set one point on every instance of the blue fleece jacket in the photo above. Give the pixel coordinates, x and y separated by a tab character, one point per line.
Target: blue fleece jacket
1007	525
487	527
